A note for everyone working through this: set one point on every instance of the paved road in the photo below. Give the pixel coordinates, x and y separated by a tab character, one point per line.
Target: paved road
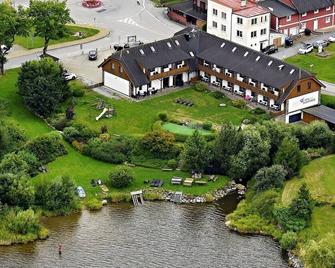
121	17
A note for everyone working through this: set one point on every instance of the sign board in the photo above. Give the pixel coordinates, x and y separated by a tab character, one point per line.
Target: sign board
303	102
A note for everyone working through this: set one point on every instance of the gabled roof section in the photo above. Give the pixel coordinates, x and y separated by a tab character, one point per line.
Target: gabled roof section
278	8
303	6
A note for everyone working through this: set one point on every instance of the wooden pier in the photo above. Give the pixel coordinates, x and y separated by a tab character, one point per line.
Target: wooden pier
137	197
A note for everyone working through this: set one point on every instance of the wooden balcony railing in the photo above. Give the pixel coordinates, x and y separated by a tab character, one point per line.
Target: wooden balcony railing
172	72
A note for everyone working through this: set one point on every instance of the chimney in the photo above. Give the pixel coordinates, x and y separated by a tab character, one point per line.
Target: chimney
243	3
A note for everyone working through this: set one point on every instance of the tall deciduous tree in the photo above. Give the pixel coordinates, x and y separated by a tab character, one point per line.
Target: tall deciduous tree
12	23
196	155
42	86
49	19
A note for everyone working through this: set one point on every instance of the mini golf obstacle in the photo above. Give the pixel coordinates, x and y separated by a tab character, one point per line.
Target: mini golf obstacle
91	3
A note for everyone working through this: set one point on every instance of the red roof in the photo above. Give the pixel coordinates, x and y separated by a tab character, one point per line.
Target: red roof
252	11
249	10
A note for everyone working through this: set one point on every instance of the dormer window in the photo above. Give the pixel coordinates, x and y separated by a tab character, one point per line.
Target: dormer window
316	11
246	54
292	71
191	53
270	62
141	51
169	44
258	57
177	42
281	67
153	49
222	45
234	48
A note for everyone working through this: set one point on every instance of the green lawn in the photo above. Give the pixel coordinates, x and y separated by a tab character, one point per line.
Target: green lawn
322	67
79	167
328	100
137	118
319	175
31	41
183	130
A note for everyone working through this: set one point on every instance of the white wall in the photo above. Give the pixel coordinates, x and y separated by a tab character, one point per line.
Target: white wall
219	20
303	102
156	84
119	84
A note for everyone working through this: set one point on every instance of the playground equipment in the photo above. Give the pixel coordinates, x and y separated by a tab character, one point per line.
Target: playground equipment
107	112
91	3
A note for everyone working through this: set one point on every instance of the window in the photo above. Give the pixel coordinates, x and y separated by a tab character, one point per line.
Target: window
223	15
113	66
316	11
253	34
215	12
239	20
121	69
328	8
261	19
253	21
327	19
215	25
288	18
265	18
263	31
304	14
298	88
309	85
239	33
223	28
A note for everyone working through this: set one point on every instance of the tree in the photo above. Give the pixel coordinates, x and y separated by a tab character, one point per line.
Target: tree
49	19
42	86
290	156
321	253
11	138
121	177
196	153
289	240
16	191
226	144
319	135
253	155
302	205
269	177
23	163
23	222
12	23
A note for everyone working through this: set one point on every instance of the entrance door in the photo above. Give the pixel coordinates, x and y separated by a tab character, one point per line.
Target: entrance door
294	118
166	82
179	80
315	25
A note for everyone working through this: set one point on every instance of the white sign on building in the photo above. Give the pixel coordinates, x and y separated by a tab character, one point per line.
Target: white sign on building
303	102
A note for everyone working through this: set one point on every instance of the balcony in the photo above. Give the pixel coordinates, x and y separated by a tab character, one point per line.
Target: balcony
169	72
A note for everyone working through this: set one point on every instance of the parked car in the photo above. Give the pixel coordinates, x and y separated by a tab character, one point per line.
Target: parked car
323	43
331	38
133	44
69	76
92	54
80	191
270	49
307	48
288	41
118	47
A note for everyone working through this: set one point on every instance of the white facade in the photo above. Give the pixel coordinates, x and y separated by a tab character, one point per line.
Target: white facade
116	83
253	32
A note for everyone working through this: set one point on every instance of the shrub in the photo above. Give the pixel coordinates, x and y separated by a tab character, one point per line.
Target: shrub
319	135
263	203
60	123
172	163
70	134
47	147
85	133
269	177
218	95
119	197
201	86
103	129
11	138
152	196
23	222
288	240
157	126
76	87
314	153
241	104
207	126
94	204
121	177
258	111
69	112
163	117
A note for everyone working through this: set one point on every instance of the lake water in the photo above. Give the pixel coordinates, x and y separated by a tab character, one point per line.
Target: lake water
157	234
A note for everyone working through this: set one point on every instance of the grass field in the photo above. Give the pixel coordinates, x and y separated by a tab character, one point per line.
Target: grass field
137	118
328	100
31	41
319	176
79	167
183	130
322	67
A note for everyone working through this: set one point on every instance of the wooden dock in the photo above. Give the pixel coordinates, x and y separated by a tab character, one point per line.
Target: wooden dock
137	197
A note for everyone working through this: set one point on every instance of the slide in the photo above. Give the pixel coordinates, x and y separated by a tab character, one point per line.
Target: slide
102	113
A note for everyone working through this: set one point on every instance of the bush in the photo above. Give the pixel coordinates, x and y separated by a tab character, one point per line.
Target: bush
258	111
288	240
152	196
119	197
121	177
60	123
23	222
241	104
163	117
70	134
46	148
218	95
263	203
307	31
93	204
269	177
207	126
172	163
76	87
201	86
314	153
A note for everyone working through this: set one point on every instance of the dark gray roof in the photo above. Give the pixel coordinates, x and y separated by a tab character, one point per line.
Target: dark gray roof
243	60
308	5
322	112
187	8
277	8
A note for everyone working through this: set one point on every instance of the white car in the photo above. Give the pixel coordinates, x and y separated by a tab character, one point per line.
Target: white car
331	38
69	76
307	48
80	191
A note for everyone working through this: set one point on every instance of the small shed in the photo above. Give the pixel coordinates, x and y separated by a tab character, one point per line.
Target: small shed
320	112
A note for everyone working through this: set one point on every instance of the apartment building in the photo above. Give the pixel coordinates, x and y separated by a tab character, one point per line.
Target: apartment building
192	54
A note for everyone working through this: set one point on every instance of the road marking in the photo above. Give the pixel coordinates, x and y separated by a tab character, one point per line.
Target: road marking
129	21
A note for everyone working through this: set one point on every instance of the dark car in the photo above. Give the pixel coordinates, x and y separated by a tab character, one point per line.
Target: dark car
288	41
92	55
270	49
133	44
118	47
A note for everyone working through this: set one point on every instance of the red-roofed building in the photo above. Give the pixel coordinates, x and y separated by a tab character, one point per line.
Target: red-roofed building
240	21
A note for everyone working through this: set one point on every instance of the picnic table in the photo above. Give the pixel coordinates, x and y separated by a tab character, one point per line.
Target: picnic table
188	181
